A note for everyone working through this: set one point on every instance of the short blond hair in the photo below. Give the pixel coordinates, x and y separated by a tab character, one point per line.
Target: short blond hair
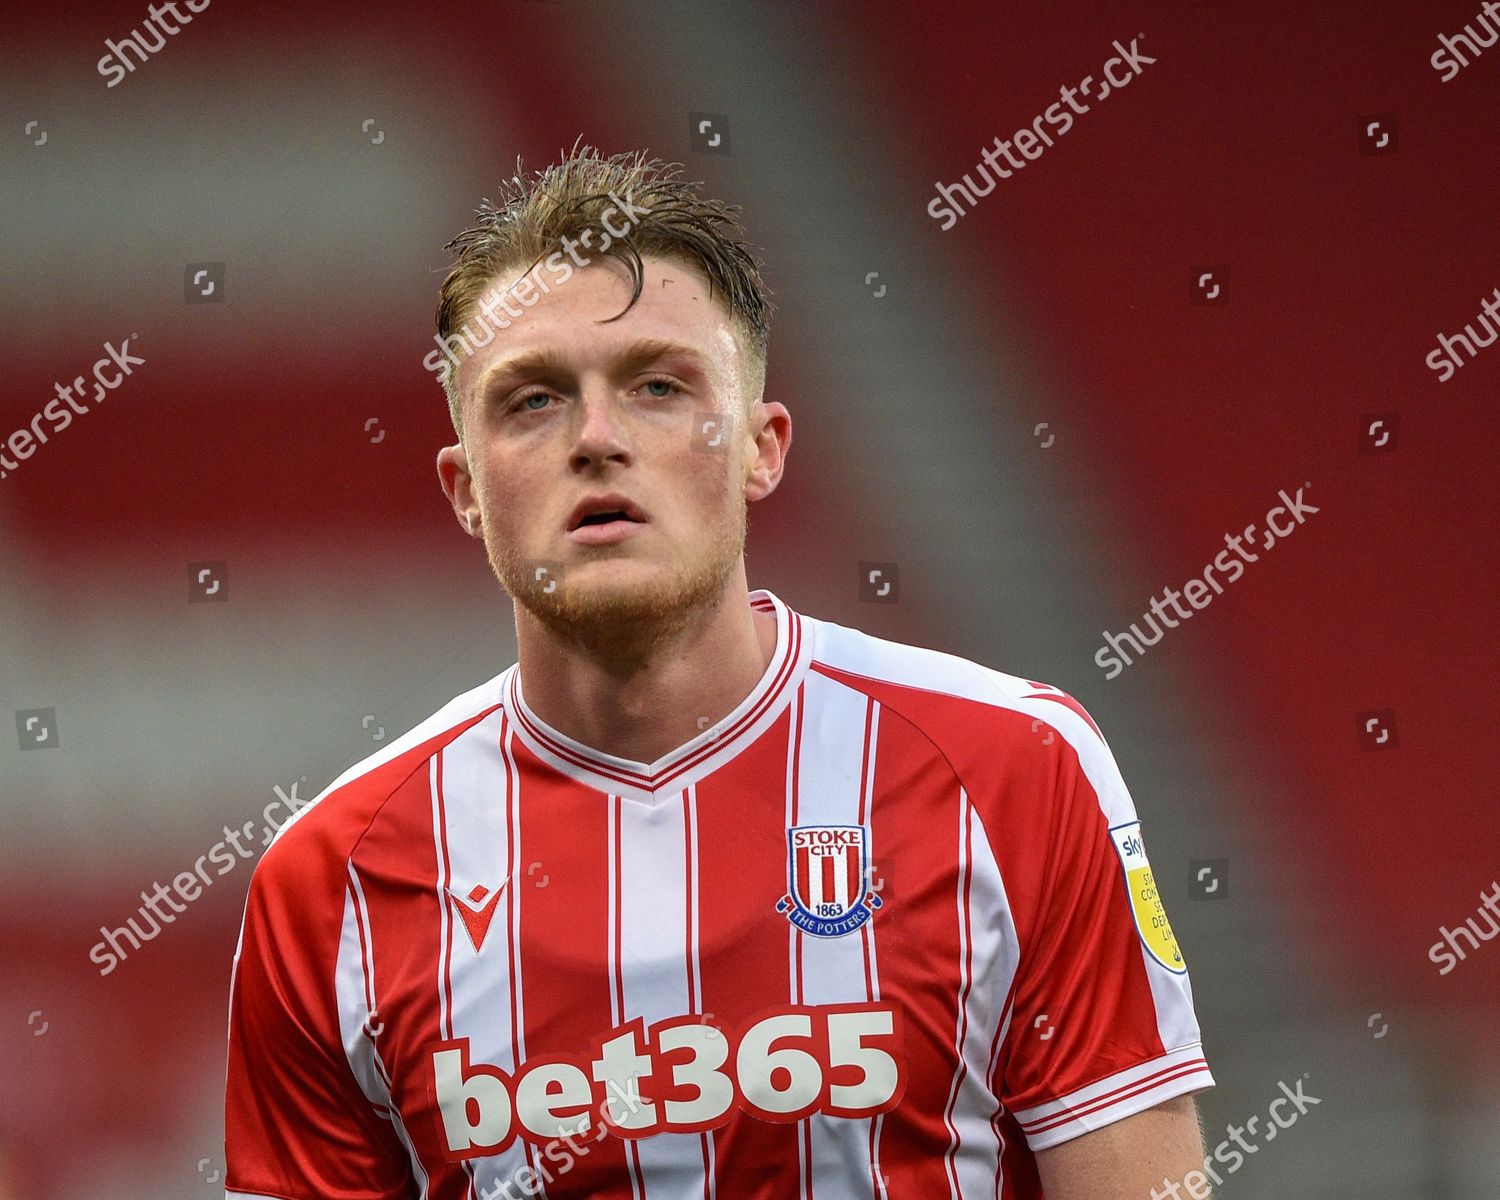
535	215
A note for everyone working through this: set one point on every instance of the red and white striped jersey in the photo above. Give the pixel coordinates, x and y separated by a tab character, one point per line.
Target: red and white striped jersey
882	933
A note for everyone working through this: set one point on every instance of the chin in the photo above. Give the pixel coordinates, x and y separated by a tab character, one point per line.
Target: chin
622	592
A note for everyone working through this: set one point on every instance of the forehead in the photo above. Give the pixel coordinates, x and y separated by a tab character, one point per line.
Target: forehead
572	320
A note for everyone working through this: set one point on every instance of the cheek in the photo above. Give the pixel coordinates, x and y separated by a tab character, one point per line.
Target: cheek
503	503
716	495
706	482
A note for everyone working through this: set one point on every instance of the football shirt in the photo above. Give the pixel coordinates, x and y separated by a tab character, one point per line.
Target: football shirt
882	932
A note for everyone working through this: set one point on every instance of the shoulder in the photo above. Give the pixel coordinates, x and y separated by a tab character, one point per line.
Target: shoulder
987	722
319	837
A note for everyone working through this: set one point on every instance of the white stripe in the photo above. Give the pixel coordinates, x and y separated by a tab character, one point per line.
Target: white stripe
616	1001
997	951
478	785
516	888
356	1006
794	935
830	784
868	933
613	914
961	1069
445	918
992	952
997	1112
1117	1096
653	948
351	989
707	1137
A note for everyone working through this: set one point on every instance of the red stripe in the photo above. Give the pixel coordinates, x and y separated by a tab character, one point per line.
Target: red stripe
796	777
618	851
687	839
512	801
510	901
746	959
564	917
918	793
804	1137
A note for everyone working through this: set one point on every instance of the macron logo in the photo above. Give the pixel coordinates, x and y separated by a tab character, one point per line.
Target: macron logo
477	910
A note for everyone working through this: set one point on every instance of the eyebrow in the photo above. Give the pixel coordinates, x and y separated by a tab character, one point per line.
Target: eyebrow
546	362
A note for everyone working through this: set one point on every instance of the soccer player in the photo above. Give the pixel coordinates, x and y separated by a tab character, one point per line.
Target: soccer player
704	897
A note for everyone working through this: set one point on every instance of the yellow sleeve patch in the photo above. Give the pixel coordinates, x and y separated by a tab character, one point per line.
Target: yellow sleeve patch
1145	898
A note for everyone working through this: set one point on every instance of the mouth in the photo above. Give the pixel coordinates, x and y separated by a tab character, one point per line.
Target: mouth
602	519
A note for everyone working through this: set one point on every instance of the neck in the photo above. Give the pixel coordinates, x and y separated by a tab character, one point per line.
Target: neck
641	701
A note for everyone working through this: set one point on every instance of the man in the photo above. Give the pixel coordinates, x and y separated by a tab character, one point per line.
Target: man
704	897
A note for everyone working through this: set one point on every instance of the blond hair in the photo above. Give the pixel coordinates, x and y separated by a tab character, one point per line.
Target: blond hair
535	215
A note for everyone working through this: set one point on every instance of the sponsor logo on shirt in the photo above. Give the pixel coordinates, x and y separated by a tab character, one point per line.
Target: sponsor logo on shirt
1145	898
680	1075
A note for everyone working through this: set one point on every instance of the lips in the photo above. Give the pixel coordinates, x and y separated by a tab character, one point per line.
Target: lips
602	509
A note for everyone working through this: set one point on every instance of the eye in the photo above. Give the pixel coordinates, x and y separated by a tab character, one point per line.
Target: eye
523	403
668	387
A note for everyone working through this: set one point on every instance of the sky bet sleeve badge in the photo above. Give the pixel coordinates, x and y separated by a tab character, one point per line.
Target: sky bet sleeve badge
828	875
1145	899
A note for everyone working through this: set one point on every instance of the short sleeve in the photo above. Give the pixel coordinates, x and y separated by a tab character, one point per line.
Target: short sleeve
1102	1024
297	1125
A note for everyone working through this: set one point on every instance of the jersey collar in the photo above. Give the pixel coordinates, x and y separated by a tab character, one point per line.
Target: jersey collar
695	759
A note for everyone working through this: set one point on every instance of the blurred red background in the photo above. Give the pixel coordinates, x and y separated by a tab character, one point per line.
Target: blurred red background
1064	298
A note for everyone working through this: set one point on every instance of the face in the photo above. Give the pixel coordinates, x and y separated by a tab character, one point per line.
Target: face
646	414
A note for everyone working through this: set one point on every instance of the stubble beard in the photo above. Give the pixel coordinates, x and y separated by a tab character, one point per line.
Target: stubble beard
625	623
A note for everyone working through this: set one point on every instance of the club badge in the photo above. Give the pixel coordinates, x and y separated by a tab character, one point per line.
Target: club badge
828	874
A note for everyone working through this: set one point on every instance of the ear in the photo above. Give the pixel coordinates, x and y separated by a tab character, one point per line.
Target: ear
458	485
770	438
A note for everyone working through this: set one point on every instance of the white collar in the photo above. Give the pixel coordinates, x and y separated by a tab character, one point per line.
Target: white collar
692	760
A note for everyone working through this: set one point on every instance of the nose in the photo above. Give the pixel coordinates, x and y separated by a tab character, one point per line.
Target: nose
602	435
